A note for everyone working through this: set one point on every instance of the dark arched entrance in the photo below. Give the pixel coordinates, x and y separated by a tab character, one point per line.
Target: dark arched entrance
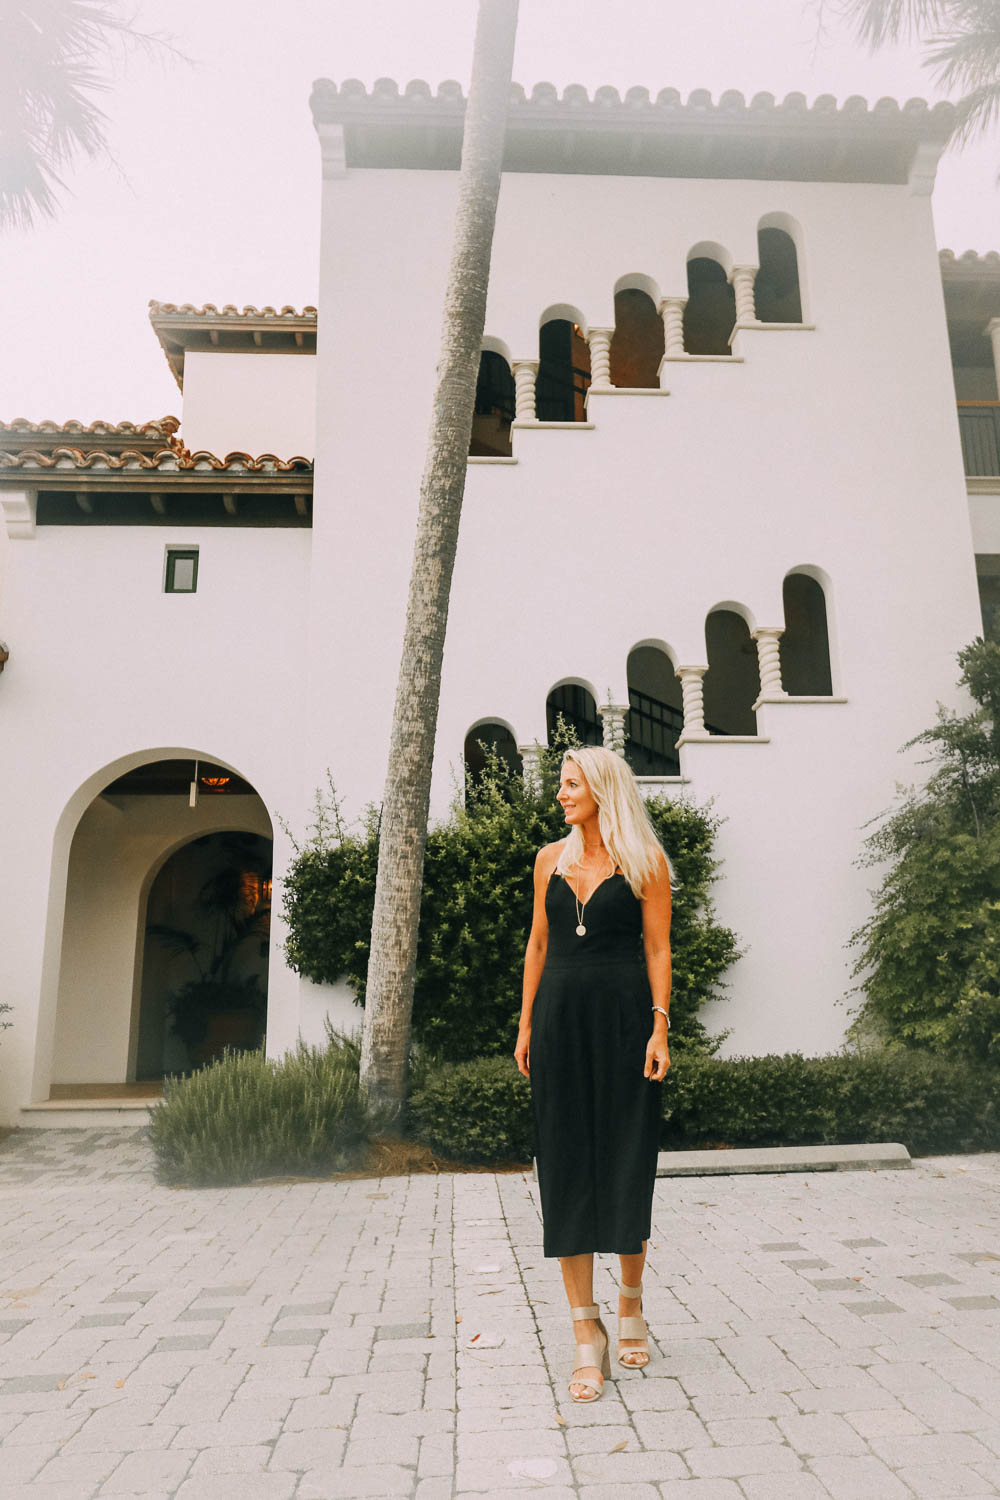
204	973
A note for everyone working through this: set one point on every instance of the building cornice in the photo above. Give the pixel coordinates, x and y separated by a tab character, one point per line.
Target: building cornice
637	135
229	329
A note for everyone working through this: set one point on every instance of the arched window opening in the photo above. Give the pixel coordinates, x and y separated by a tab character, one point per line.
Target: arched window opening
805	644
485	741
563	372
576	705
655	717
777	296
710	314
494	409
732	682
637	345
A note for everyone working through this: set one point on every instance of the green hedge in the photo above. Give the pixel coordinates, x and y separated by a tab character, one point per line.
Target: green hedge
928	1103
250	1116
476	909
480	1111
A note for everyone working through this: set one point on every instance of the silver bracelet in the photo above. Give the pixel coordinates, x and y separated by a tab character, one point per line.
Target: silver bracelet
664	1014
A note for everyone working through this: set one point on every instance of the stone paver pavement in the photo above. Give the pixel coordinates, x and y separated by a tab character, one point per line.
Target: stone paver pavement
829	1334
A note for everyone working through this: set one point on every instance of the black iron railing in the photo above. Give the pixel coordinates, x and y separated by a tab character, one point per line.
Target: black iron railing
979	429
560	393
652	730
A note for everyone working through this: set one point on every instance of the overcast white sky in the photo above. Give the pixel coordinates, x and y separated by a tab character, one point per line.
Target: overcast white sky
215	197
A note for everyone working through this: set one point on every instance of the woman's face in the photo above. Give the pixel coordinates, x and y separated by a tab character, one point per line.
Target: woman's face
574	796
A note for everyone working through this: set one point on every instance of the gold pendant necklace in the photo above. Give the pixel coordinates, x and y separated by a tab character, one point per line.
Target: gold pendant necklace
581	930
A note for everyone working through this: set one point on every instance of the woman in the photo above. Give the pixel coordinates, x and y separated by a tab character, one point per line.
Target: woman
593	1039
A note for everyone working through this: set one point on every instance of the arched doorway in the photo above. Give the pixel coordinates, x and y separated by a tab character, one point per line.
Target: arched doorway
123	838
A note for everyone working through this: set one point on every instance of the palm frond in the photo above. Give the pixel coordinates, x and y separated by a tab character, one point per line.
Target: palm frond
55	56
969	58
879	21
977	112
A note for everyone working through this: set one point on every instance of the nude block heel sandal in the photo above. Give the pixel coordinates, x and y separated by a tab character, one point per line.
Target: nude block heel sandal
590	1354
632	1328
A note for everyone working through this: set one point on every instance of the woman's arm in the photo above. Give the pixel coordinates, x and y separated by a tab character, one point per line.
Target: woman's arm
656	941
534	954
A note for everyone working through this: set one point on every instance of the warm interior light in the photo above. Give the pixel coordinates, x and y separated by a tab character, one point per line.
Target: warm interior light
215	782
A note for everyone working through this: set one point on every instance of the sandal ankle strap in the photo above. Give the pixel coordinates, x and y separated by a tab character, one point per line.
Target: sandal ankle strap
591	1313
631	1328
630	1291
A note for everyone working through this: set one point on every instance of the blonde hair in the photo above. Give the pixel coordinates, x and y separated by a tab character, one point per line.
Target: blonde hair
622	818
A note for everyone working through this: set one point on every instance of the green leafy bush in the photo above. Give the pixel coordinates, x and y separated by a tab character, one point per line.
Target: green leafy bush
480	1111
476	909
927	1103
250	1116
477	1112
929	955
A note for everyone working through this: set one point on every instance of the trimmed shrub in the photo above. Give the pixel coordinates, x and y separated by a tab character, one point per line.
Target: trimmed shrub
928	1104
476	909
477	1112
480	1111
250	1116
929	954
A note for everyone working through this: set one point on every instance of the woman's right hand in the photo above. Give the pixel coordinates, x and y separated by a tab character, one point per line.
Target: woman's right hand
522	1050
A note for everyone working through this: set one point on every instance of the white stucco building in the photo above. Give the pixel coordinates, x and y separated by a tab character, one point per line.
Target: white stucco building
734	495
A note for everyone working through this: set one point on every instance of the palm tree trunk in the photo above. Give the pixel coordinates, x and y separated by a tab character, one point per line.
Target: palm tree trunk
406	804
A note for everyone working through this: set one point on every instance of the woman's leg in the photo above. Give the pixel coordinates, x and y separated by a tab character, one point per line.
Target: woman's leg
628	1307
578	1279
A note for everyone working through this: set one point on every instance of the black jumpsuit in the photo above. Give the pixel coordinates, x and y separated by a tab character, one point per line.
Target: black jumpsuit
596	1117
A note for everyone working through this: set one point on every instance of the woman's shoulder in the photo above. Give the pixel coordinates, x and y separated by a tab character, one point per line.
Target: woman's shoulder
548	855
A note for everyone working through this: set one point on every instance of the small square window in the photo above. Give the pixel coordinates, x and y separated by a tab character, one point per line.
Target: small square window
181	576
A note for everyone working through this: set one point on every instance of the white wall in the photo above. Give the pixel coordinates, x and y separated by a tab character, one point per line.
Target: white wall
835	448
250	403
107	672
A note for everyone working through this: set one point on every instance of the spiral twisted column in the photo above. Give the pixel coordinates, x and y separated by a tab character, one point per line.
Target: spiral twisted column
531	766
672	312
613	726
599	340
769	660
743	279
525	372
692	694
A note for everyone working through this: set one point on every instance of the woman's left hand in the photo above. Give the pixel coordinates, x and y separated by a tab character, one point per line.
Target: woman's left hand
657	1059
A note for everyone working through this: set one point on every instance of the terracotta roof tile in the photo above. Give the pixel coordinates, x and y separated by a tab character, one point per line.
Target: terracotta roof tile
230	310
165	461
165	427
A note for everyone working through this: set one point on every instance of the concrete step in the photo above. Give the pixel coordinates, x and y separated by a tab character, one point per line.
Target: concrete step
86	1114
864	1158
